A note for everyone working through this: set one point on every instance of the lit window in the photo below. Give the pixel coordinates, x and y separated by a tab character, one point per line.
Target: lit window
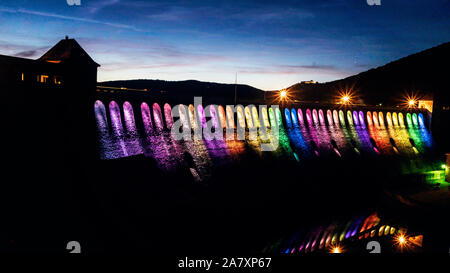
42	78
57	80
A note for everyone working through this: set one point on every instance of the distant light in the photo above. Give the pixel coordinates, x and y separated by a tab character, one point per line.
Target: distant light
283	94
412	103
443	166
345	99
337	250
402	241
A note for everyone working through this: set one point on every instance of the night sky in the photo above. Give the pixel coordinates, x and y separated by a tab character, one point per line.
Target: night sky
270	44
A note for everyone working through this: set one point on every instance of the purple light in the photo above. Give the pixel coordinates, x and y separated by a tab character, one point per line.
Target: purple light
116	120
128	114
201	115
168	115
308	116
361	118
300	116
336	117
321	117
146	118
330	118
355	118
157	117
315	118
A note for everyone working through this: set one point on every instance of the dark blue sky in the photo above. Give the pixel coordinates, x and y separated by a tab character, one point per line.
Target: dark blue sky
270	44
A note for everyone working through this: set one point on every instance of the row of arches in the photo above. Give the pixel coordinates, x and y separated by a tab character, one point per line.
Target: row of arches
323	238
296	117
156	118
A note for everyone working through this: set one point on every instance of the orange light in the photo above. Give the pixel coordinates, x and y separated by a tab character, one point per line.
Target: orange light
346	96
402	241
283	94
336	248
410	100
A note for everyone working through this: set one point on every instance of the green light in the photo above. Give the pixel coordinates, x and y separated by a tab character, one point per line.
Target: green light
443	166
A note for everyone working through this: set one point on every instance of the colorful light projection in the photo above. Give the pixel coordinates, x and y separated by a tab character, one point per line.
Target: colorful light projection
214	117
361	119
339	139
222	117
342	118
408	120
308	117
414	120
381	119
401	121
116	120
100	117
294	117
395	119
146	118
369	118
315	117
300	116
287	117
375	119
255	116
157	116
168	116
240	116
193	117
184	118
355	118
265	117
336	118
330	117
230	117
128	114
321	118
273	122
201	115
349	118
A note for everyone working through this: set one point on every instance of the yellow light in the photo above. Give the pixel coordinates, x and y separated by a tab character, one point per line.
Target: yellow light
412	102
346	96
283	94
402	241
336	250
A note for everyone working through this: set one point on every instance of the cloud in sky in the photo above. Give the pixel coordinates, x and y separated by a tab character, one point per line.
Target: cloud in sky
270	44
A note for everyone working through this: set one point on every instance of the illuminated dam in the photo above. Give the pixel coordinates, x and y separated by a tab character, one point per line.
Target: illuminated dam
304	133
326	162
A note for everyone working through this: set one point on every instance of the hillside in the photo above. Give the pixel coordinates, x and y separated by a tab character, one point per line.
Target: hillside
422	73
184	91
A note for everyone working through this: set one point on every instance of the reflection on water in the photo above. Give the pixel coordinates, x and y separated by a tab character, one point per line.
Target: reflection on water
339	133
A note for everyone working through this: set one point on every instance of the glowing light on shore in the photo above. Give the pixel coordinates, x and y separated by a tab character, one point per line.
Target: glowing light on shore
336	249
402	241
346	96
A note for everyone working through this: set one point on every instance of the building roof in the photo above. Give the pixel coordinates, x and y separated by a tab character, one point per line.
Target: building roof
67	50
